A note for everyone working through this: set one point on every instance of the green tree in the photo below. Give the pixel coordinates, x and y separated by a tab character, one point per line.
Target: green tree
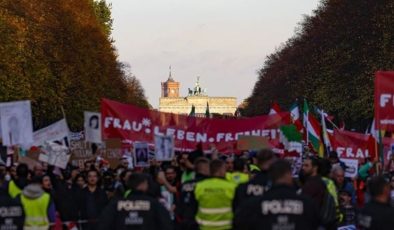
56	54
331	61
102	10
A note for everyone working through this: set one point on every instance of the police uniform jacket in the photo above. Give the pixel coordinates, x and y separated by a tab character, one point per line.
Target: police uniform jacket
11	212
376	216
255	187
279	208
137	212
187	205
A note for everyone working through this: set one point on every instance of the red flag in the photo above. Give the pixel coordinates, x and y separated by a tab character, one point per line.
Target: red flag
275	109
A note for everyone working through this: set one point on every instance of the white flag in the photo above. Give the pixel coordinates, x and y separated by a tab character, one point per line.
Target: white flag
92	127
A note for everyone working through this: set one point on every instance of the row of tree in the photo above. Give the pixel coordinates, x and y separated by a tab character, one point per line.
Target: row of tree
331	61
59	54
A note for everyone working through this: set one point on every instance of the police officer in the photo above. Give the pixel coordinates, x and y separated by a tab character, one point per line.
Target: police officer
187	205
279	208
260	183
214	197
137	210
239	175
16	185
11	210
377	214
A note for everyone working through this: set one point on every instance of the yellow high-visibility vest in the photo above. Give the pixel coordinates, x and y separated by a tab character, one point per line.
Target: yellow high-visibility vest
36	211
13	189
214	197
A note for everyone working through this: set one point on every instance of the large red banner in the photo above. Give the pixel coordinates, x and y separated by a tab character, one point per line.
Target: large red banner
352	145
135	124
384	100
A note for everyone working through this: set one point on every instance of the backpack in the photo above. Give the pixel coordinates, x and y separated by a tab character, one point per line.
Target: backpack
327	212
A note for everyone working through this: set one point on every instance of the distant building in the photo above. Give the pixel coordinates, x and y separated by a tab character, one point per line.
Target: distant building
172	102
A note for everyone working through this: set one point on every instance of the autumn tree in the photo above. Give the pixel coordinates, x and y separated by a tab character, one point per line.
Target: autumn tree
102	10
331	61
57	54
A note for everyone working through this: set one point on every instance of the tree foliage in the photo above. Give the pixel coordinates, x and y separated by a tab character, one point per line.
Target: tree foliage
57	54
331	60
102	10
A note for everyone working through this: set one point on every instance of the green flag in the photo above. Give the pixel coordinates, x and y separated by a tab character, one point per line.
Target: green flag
192	112
291	138
207	114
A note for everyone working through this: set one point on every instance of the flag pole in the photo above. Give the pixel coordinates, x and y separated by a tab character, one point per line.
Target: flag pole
332	123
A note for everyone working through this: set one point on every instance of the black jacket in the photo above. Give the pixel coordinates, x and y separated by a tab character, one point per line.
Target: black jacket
315	188
11	215
279	208
66	202
255	187
186	207
376	216
138	211
91	205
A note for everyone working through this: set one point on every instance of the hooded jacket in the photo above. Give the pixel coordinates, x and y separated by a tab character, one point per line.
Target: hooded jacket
34	191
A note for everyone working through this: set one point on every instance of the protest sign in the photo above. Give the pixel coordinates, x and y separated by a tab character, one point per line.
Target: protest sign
113	156
31	163
114	143
141	154
55	154
54	132
164	148
16	123
252	143
135	124
351	167
80	153
296	164
388	147
352	145
384	100
92	127
76	136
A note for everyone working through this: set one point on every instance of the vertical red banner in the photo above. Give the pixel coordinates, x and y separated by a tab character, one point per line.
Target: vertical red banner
384	100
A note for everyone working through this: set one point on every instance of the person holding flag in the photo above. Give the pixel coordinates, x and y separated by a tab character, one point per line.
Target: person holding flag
312	131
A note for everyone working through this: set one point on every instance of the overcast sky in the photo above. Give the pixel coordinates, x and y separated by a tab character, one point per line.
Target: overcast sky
225	42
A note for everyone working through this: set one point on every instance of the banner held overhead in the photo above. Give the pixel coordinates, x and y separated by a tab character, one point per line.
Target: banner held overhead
135	124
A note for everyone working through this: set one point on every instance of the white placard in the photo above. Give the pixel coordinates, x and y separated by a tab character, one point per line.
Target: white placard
16	123
92	127
57	155
141	154
54	132
164	148
351	167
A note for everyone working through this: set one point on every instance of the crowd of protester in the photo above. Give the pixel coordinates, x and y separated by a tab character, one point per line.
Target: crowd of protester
199	191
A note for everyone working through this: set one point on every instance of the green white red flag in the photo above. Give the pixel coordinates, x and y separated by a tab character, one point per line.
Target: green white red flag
313	130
